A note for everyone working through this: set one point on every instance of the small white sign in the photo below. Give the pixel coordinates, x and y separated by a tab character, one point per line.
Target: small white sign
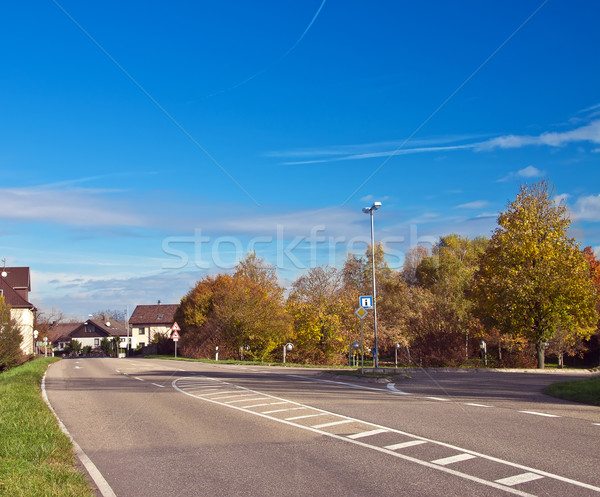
366	301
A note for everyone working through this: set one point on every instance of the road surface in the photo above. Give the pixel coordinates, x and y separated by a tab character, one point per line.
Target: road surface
156	428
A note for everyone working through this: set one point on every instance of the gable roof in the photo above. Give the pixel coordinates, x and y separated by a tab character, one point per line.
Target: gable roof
158	314
61	332
12	297
115	328
65	332
18	277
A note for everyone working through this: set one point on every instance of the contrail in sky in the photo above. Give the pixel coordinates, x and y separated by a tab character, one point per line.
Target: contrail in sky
265	69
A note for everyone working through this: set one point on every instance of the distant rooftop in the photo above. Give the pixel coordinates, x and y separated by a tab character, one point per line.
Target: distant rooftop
154	314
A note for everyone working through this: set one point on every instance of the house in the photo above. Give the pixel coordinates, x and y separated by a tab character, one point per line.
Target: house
148	321
89	333
15	285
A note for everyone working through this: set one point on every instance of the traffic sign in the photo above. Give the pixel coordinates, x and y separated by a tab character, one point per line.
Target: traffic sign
366	301
361	312
175	336
175	327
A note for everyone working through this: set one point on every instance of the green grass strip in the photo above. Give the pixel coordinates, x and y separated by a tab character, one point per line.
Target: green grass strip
584	391
36	457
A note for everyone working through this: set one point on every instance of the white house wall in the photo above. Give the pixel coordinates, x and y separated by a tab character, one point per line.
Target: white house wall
149	333
24	319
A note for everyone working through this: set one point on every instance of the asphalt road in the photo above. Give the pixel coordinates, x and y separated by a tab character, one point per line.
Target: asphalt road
156	428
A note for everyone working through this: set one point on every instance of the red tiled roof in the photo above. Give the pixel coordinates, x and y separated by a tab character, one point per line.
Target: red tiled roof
154	314
61	332
12	298
64	332
18	277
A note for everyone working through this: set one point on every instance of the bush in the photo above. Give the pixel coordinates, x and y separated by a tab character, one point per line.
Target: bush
10	340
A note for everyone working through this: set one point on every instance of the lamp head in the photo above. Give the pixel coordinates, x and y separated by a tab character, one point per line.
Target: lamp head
376	205
366	210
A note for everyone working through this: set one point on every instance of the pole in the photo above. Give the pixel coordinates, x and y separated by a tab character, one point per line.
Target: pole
175	349
362	349
376	349
127	317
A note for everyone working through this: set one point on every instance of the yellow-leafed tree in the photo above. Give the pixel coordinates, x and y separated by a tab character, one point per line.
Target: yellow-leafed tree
533	279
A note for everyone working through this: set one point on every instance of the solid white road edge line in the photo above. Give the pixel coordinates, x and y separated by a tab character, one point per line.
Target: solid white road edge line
103	486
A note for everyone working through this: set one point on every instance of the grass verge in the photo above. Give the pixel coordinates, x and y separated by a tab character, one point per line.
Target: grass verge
36	457
584	391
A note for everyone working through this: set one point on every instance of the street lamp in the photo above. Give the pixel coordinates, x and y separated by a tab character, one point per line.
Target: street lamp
370	210
287	347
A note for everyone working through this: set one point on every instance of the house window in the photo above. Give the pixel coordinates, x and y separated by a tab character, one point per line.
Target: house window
96	342
142	344
142	331
90	328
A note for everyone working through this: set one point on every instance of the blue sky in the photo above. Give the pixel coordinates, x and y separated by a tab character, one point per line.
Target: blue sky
147	144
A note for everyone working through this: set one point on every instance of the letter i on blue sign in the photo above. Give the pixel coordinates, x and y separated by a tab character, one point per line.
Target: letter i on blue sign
366	302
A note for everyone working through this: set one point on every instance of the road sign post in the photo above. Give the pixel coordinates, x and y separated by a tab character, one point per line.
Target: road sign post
361	312
175	329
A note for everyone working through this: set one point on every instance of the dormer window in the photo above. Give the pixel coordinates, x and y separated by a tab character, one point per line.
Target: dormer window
90	328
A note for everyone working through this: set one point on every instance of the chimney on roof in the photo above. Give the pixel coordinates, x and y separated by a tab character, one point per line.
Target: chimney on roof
159	302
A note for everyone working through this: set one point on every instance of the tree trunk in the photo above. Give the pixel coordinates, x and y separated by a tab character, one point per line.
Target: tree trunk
540	354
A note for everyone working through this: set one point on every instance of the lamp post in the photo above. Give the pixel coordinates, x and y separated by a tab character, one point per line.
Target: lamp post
370	210
287	347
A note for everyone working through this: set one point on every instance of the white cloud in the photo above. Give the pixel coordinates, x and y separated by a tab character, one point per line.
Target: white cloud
477	204
587	208
86	295
561	198
530	172
71	206
588	133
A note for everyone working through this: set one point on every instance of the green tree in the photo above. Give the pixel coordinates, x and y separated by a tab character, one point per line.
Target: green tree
533	278
106	346
73	347
10	339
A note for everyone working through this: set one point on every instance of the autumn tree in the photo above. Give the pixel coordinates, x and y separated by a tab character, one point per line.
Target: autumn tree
533	279
317	304
412	259
245	310
440	315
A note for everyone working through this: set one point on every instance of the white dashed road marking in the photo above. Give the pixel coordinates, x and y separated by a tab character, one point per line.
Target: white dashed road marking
444	461
540	414
518	479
